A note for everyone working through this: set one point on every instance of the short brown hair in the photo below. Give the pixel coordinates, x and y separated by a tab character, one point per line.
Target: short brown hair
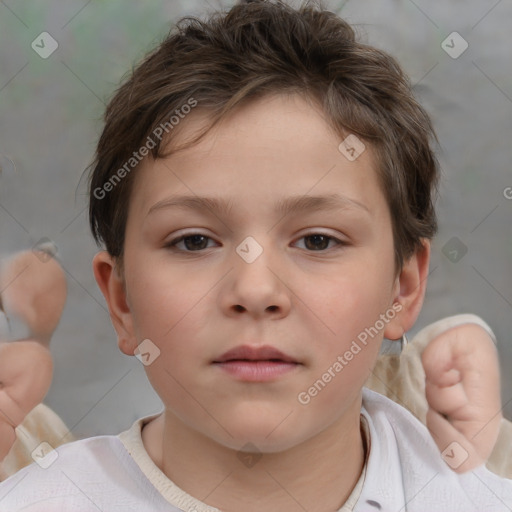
258	48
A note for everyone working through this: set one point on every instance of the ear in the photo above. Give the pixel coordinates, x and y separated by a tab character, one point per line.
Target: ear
410	292
112	286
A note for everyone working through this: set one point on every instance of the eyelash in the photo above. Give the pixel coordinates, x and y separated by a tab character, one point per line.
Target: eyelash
173	243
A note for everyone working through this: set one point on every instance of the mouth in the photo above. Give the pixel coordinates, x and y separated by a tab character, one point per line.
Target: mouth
256	364
255	354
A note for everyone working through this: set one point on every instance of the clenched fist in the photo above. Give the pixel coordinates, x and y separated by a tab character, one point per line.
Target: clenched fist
462	386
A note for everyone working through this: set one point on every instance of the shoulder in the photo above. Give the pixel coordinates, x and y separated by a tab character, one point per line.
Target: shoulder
406	468
91	474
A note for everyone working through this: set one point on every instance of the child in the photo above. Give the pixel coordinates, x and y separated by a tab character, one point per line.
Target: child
259	344
34	289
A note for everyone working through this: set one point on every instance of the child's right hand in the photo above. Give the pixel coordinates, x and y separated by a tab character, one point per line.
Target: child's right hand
463	393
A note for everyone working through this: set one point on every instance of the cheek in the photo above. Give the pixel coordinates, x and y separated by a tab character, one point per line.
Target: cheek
354	300
352	323
170	309
345	357
162	300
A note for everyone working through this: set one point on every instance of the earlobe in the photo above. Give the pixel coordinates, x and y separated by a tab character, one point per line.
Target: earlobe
410	292
113	289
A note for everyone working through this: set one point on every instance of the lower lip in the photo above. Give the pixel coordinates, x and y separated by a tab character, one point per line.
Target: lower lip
257	371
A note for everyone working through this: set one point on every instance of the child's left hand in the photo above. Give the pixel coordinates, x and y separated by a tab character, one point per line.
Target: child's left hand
463	393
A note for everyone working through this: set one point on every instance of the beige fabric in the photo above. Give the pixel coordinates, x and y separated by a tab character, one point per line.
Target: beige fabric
399	377
352	500
40	425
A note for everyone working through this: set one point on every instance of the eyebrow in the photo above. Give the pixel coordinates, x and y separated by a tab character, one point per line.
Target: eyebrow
285	206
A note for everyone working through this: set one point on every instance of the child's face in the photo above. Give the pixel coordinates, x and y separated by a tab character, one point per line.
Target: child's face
308	297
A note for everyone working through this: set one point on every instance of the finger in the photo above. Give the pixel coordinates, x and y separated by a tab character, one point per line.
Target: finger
446	400
438	361
457	451
444	377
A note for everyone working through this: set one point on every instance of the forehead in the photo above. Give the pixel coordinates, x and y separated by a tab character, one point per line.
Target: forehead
270	146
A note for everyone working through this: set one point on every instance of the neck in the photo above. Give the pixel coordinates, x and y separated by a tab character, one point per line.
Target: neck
317	475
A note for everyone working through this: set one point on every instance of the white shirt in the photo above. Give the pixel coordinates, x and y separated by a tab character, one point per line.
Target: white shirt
404	472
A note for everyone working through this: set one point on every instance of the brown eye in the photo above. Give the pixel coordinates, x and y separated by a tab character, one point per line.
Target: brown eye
190	243
319	242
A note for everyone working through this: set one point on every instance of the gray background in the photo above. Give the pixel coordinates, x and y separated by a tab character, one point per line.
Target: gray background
50	118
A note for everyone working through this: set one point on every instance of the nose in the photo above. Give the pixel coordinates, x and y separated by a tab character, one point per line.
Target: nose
257	289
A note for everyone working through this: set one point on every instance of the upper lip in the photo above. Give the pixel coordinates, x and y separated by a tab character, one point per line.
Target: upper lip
263	353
